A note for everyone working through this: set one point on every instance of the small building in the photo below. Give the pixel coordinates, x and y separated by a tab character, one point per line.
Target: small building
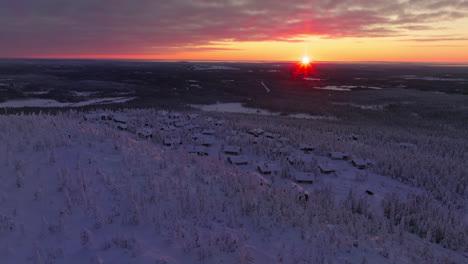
267	169
269	135
121	119
170	121
199	150
145	132
104	116
89	117
354	137
174	115
306	147
191	126
291	160
303	177
192	116
170	141
326	168
206	141
196	136
219	123
232	150
122	126
279	151
208	132
360	163
255	141
256	132
179	124
284	139
238	160
339	155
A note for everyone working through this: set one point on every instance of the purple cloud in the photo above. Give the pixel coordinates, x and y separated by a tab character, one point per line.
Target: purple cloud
48	27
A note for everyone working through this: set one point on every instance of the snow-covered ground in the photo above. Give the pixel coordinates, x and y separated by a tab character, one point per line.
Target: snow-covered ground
77	189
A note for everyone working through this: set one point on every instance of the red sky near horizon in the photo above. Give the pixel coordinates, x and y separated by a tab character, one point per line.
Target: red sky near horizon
271	30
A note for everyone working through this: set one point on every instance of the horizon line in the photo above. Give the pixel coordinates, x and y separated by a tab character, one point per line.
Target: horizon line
227	61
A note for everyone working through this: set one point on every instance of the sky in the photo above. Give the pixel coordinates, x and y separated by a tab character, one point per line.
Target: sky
270	30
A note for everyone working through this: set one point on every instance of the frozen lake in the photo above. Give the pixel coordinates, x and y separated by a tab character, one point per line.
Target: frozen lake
239	108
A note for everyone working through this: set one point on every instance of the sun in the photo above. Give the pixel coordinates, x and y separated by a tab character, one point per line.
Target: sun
305	60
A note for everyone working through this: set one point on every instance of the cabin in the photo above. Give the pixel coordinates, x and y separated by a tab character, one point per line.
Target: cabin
121	119
192	116
279	151
179	124
174	115
338	155
354	137
219	123
170	141
206	141
291	160
284	139
326	168
89	117
170	121
306	148
199	150
256	132
145	132
232	150
238	160
122	126
208	132
267	169
255	141
191	126
360	163
303	177
104	116
196	136
269	135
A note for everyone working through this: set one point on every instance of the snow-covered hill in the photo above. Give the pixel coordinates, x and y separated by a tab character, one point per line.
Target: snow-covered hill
105	188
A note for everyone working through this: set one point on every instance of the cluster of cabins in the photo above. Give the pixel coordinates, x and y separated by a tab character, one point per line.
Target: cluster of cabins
174	128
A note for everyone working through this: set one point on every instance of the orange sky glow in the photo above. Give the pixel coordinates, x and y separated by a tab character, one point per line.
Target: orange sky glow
235	30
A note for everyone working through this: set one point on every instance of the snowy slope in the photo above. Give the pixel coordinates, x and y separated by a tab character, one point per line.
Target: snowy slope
75	191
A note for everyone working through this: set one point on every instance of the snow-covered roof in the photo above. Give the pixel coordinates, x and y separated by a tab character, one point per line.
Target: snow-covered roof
172	141
146	132
121	118
238	160
232	149
306	147
339	155
256	131
326	168
304	177
267	168
208	132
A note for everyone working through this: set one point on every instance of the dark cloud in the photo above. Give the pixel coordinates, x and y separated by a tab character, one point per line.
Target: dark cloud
57	27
